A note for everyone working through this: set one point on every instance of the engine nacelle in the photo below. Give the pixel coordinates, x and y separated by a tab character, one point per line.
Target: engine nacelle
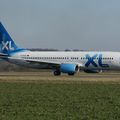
68	68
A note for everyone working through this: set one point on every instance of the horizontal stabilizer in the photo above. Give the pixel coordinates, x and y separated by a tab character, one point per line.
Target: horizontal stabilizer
3	55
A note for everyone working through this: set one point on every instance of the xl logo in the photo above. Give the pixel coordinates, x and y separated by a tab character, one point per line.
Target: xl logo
7	45
91	60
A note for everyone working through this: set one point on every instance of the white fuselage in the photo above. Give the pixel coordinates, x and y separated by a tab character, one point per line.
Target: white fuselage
85	60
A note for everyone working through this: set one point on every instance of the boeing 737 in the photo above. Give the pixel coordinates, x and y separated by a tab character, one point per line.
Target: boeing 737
59	62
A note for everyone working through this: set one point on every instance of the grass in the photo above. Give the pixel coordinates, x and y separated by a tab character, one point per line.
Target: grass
59	101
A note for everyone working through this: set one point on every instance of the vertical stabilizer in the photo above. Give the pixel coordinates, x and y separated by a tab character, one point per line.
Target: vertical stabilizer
7	45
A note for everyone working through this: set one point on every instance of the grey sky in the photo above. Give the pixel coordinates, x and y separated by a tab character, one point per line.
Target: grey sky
62	24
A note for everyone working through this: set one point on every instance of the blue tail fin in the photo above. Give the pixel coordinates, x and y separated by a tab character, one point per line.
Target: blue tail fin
7	45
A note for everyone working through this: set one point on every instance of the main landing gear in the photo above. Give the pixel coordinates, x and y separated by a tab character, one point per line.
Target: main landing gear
58	73
71	74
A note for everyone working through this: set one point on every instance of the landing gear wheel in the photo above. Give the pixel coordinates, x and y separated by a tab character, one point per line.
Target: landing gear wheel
71	74
57	73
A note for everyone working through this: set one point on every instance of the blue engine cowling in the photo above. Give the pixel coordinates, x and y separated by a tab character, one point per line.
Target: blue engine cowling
68	68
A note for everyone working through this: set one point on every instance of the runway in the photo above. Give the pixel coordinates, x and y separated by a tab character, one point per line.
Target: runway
49	77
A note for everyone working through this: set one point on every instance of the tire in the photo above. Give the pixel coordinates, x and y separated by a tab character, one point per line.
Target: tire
71	74
57	73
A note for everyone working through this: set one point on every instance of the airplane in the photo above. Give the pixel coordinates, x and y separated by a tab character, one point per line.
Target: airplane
58	61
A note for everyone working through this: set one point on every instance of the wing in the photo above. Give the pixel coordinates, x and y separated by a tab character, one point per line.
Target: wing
53	64
50	63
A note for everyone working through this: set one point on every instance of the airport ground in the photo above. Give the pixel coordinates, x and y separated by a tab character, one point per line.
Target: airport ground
42	96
